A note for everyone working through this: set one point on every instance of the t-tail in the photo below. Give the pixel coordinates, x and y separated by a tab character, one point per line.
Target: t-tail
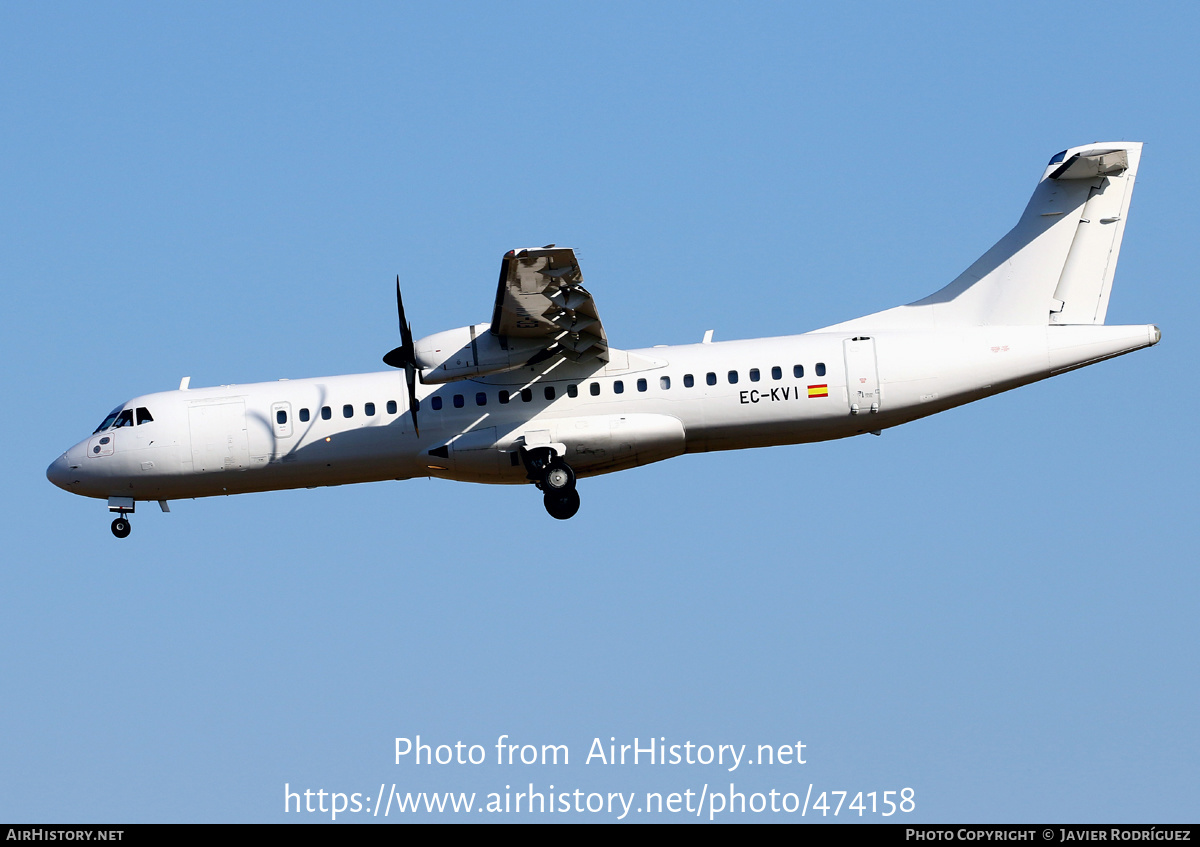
1055	267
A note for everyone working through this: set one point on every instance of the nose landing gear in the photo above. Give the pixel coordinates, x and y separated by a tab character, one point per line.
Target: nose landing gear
121	527
555	478
122	506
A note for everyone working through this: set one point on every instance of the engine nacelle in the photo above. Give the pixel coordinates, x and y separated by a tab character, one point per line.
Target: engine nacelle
471	351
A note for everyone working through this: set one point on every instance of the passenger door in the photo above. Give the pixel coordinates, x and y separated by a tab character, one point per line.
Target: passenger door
862	375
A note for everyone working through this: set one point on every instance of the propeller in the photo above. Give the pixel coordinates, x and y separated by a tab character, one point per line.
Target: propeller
405	357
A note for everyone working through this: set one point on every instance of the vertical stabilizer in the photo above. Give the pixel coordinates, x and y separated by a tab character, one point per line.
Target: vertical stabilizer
1055	266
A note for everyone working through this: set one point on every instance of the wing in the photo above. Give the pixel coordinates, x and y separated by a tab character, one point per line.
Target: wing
541	296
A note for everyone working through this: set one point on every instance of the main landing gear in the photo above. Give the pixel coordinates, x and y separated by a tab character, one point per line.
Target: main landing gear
561	504
555	478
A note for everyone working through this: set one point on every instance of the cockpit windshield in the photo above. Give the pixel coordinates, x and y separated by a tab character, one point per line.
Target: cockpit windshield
121	416
112	416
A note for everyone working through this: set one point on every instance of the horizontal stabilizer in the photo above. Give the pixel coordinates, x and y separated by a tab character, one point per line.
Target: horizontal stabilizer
1090	164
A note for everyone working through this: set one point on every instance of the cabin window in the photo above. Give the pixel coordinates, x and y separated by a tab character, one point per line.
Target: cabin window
281	417
347	411
481	398
572	390
503	397
664	382
549	392
618	386
594	388
641	384
143	415
326	413
459	401
369	410
777	372
798	371
733	377
526	395
304	415
436	403
820	369
711	378
754	375
688	380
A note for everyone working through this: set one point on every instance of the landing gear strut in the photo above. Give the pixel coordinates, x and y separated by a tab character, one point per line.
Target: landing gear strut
555	478
121	527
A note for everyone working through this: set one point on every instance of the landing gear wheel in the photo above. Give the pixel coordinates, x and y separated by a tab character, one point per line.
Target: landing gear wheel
561	504
558	477
121	527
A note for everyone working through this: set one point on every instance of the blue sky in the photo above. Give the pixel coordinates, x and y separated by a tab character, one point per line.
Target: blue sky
995	606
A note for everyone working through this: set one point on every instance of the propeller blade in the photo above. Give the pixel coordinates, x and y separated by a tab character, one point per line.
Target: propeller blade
405	357
406	339
410	375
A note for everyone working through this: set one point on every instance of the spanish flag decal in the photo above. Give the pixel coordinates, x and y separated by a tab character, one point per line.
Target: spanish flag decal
818	391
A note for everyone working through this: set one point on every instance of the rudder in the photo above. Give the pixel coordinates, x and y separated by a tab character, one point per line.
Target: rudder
1081	296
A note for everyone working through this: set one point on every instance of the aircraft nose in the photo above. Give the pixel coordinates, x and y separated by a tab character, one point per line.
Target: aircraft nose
59	472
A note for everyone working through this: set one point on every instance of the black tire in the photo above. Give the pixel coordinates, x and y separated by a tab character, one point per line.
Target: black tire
562	504
558	476
121	528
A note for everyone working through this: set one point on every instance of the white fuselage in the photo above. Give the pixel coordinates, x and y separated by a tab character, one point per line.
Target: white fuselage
636	409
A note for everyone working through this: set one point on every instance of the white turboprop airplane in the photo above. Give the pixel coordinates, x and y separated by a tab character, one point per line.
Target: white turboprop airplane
538	395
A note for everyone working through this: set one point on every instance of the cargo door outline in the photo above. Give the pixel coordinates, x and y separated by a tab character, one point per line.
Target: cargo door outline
218	432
